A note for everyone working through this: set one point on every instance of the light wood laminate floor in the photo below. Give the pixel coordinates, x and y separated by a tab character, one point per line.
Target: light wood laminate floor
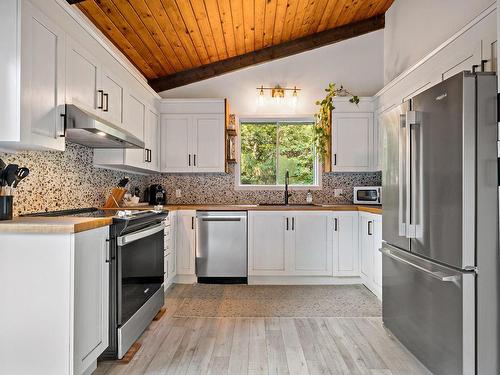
234	346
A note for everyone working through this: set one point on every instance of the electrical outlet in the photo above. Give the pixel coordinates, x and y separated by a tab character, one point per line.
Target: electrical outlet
337	192
178	193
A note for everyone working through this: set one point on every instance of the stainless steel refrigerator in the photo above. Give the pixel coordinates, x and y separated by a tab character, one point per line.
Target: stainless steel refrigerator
440	225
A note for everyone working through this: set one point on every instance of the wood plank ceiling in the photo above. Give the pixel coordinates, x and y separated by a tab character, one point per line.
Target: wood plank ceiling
174	39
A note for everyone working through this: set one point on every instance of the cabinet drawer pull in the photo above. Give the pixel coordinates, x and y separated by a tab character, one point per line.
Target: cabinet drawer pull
370	223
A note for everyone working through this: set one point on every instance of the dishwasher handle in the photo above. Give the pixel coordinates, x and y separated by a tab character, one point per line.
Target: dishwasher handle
221	218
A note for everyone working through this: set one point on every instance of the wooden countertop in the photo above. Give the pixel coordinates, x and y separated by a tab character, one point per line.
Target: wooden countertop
67	224
253	207
62	224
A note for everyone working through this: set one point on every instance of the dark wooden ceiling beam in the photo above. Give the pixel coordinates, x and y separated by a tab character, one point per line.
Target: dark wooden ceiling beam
285	49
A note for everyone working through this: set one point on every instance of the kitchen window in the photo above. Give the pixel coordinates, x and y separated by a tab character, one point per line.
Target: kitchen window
268	148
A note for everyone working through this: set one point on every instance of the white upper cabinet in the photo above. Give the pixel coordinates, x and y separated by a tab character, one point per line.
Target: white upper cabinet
152	140
192	135
134	115
146	121
207	148
352	142
48	58
82	78
175	143
32	78
111	97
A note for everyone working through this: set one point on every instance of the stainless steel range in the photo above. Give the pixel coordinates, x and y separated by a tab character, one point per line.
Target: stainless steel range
136	272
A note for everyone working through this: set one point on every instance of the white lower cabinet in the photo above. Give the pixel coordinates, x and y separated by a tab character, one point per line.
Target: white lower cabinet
91	297
267	243
169	249
61	309
345	244
185	242
289	244
311	244
370	240
315	246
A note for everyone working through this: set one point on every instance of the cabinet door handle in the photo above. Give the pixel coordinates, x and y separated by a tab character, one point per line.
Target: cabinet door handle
370	227
334	159
194	159
335	224
189	160
192	222
100	94
150	155
107	251
146	157
293	223
286	223
106	108
63	125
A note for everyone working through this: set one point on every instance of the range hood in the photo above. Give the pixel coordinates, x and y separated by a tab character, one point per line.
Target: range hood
89	130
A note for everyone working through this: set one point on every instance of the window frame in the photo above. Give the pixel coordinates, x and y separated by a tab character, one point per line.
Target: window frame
286	119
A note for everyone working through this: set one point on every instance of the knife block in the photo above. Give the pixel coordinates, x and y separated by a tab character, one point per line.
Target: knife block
6	207
116	198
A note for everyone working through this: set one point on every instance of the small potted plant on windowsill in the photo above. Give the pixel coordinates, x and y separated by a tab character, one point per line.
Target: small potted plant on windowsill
322	128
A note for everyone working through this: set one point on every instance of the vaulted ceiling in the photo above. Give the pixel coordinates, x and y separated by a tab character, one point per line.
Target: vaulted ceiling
175	42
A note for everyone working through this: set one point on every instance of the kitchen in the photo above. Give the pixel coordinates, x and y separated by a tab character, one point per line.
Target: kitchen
182	209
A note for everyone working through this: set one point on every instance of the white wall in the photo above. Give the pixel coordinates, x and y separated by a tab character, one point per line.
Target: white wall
356	63
414	28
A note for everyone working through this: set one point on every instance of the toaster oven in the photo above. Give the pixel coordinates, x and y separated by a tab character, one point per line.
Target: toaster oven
367	195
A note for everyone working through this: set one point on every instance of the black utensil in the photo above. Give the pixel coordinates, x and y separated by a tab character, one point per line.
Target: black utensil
123	182
10	173
21	174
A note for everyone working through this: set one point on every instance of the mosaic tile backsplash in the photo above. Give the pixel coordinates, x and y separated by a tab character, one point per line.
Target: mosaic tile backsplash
64	180
220	189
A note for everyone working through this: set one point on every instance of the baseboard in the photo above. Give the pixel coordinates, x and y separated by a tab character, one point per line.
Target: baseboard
185	279
91	368
302	280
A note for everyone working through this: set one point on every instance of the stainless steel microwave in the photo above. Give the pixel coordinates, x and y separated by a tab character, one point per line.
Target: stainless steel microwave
367	195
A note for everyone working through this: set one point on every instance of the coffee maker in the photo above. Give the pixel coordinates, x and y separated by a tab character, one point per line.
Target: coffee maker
156	195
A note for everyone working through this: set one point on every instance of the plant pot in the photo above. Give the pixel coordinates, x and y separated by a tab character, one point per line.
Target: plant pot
6	207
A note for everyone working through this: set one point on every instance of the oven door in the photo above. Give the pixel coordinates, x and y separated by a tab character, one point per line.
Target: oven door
140	269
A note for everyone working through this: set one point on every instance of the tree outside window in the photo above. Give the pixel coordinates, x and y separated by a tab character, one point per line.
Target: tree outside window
270	148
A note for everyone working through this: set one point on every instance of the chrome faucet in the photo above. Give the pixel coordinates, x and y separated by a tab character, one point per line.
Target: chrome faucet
287	181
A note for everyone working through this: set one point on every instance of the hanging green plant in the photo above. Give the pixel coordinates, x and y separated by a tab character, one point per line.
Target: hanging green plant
322	117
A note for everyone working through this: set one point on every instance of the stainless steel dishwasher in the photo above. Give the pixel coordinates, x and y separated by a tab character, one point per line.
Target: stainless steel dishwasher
221	247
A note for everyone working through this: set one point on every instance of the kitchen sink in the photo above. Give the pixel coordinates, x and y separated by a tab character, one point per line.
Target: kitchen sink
290	204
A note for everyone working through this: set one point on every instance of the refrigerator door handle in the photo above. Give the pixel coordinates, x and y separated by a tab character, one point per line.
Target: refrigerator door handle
440	275
402	183
412	122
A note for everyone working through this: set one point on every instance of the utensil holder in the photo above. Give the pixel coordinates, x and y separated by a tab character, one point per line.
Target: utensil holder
6	207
